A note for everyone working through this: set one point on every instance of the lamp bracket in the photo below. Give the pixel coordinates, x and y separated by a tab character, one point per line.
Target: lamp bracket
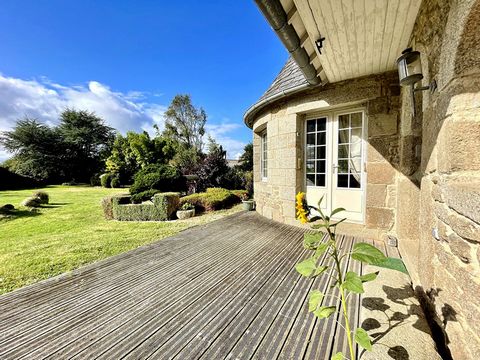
432	87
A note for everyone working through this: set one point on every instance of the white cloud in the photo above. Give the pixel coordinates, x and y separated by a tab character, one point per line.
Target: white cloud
45	100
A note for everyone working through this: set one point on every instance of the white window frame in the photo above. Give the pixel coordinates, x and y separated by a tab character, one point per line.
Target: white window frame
264	155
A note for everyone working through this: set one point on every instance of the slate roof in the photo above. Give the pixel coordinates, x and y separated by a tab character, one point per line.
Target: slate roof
290	76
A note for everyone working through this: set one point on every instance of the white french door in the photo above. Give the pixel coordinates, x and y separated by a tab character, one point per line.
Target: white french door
334	162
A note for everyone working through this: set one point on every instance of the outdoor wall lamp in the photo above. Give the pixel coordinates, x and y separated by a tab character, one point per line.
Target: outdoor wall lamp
410	72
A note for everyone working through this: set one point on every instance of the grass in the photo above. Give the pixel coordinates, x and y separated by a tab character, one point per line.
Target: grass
71	232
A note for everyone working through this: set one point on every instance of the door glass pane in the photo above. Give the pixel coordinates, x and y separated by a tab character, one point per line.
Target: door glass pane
321	152
320	180
356	135
321	138
321	124
342	181
343	166
343	122
355	150
343	151
310	166
310	139
355	181
344	136
321	166
310	153
310	125
310	179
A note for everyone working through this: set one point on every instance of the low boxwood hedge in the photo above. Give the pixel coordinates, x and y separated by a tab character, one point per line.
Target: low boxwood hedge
212	199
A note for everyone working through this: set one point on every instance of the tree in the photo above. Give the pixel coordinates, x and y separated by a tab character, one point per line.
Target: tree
185	123
246	159
214	169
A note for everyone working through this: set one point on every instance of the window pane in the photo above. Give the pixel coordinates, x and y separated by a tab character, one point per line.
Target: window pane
310	125
356	164
355	150
356	135
356	120
342	181
343	136
311	166
343	151
320	152
343	121
310	153
321	166
310	179
321	138
310	139
355	181
343	166
320	180
321	124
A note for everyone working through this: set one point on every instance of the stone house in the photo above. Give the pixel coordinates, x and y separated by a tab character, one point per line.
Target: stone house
404	164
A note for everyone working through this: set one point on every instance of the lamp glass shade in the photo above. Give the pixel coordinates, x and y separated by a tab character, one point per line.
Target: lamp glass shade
409	68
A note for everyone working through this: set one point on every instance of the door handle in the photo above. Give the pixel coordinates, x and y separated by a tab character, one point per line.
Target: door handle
334	167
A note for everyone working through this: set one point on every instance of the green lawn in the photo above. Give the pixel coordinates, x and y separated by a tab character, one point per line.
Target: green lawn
71	232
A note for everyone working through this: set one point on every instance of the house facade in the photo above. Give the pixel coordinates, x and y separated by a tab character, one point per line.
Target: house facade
336	124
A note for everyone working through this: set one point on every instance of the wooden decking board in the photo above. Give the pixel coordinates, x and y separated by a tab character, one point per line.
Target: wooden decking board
83	319
226	290
92	320
192	338
43	291
156	330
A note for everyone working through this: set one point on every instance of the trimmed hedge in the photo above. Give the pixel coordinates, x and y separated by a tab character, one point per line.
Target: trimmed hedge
105	180
119	207
159	177
212	199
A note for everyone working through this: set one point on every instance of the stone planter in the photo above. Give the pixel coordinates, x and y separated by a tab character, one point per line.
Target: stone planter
185	214
248	205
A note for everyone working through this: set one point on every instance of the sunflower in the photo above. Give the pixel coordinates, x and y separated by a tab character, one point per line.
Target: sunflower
301	208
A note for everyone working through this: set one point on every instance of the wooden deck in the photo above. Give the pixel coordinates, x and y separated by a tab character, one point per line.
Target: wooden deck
226	290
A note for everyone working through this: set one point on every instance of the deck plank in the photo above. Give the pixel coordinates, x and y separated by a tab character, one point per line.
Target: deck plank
225	290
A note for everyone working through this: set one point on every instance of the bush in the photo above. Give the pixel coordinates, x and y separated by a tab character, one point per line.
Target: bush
6	209
107	204
212	199
249	183
95	180
162	178
105	180
31	202
42	196
115	181
13	181
168	203
144	196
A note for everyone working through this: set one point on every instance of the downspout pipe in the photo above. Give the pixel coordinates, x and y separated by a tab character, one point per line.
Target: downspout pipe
277	18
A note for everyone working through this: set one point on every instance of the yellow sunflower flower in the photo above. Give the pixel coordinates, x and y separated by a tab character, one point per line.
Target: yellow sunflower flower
300	207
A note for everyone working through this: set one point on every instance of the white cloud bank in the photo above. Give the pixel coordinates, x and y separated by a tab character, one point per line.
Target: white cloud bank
45	100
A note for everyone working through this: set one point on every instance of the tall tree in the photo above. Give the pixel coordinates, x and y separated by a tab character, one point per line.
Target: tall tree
185	123
246	159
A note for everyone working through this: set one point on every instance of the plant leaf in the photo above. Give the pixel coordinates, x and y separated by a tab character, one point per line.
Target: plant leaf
320	270
337	356
367	253
362	339
311	241
369	277
324	311
353	283
336	211
318	226
306	267
393	264
316	296
322	248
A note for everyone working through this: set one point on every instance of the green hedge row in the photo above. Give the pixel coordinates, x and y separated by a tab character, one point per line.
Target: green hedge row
213	199
119	207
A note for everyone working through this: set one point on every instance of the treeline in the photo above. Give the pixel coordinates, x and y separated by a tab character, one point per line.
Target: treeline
83	149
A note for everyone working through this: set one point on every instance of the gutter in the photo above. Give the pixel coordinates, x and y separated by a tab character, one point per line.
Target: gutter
255	108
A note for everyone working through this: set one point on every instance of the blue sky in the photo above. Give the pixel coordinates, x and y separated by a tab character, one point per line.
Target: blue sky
126	60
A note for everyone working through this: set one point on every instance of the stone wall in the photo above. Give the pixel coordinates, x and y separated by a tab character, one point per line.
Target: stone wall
284	122
438	205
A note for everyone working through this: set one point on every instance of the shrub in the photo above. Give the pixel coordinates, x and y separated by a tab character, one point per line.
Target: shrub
212	199
31	202
115	181
249	183
167	203
105	180
42	196
13	181
107	204
95	180
6	209
162	178
143	196
187	206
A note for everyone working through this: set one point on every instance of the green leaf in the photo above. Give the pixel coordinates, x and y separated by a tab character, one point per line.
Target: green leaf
393	264
338	222
362	339
337	356
322	248
318	226
316	296
306	267
311	241
324	311
353	283
369	277
320	270
367	253
336	211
